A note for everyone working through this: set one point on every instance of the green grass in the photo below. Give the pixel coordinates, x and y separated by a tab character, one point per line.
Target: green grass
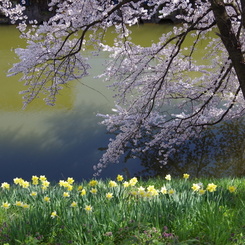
157	211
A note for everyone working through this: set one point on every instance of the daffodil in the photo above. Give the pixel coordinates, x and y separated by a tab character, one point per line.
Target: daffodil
66	194
5	205
83	192
119	177
231	189
69	187
63	183
25	184
93	191
164	190
18	203
201	191
74	204
171	191
195	187
154	192
168	177
46	199
25	205
134	193
211	187
141	191
93	183
42	178
186	176
112	183
133	181
109	195
33	193
34	177
70	180
151	189
53	214
5	185
80	187
45	183
18	181
88	208
125	184
35	180
148	194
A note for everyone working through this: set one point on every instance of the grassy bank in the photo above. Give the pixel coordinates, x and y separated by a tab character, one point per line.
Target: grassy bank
158	211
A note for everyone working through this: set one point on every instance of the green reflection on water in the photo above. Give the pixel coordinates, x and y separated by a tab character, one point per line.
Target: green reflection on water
10	99
29	133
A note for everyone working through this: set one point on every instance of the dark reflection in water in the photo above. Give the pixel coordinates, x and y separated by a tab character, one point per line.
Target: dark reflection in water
219	152
67	148
73	142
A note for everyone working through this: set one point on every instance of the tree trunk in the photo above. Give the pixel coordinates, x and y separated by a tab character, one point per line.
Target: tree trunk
230	40
243	13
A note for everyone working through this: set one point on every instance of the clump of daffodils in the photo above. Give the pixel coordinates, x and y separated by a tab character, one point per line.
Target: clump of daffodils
37	189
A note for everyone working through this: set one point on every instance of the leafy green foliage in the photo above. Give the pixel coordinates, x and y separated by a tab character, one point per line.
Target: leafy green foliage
157	211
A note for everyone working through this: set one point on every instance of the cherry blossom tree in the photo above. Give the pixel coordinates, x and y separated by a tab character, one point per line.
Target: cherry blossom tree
14	12
162	93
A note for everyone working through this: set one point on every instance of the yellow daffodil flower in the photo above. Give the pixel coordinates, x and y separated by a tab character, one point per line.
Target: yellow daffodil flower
42	178
46	199
88	208
164	190
125	184
33	193
195	187
53	214
45	183
74	204
93	183
25	184
5	205
35	180
109	195
93	191
134	193
66	194
18	181
25	205
69	187
133	181
119	177
5	185
201	191
18	203
171	191
70	180
231	189
211	187
112	183
186	176
83	192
